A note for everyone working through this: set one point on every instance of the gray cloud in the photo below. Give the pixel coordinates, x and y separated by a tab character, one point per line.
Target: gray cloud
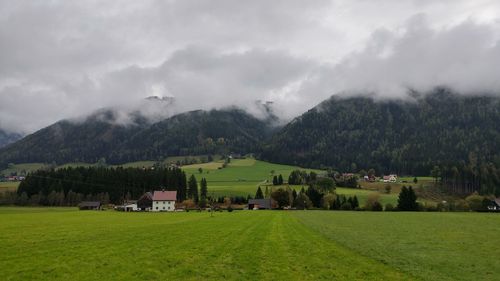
61	59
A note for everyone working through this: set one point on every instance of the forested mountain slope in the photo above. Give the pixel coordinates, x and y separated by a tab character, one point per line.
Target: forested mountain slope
99	136
403	136
7	138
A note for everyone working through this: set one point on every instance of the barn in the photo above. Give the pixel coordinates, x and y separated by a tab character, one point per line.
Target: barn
90	205
259	204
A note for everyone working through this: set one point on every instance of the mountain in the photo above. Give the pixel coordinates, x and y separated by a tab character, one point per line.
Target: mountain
401	136
8	138
104	135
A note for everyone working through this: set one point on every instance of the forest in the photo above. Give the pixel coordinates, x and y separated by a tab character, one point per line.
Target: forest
391	136
101	136
99	183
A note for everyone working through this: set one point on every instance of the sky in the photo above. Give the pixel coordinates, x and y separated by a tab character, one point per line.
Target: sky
67	59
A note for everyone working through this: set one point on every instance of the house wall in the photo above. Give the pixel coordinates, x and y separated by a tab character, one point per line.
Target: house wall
132	206
163	206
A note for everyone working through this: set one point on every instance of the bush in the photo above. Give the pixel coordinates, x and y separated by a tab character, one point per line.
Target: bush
327	201
442	206
377	207
462	205
371	200
389	207
346	206
475	201
230	209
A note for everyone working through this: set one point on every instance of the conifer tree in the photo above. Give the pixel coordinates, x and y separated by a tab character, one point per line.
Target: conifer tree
193	189
258	194
407	200
203	189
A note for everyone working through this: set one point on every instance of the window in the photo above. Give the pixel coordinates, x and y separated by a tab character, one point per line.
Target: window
163	202
156	208
163	208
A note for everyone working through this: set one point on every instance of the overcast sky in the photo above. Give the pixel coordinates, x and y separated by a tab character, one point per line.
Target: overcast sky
63	59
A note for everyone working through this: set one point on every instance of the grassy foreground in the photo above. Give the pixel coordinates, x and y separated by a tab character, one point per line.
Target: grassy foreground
63	243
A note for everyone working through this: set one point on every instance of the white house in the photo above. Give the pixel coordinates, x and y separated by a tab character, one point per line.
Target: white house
390	178
131	207
164	201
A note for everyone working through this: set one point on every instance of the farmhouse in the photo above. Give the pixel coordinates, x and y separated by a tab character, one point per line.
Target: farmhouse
145	202
128	206
494	205
89	205
259	204
390	178
164	201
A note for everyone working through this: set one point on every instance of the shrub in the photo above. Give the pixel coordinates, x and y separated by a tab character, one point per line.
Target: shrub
346	206
327	201
377	207
462	205
371	200
475	201
229	209
389	207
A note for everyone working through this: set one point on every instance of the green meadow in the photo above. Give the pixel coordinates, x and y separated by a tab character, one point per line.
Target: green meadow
241	177
67	244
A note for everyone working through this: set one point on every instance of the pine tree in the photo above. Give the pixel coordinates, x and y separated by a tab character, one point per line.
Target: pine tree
355	202
275	180
203	189
280	180
407	200
193	189
258	194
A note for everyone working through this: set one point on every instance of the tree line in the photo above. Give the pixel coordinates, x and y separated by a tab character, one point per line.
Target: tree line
113	185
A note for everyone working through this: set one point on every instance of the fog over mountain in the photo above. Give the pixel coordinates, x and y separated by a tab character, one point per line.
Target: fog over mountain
62	59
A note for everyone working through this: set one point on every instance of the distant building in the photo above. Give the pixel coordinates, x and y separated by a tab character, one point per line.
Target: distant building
89	205
164	201
390	178
145	202
494	205
259	204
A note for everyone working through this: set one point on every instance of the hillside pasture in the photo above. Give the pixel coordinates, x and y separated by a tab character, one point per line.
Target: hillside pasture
9	186
241	177
22	168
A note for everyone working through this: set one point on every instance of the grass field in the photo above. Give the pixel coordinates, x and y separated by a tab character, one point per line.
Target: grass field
430	246
9	186
62	244
240	178
22	168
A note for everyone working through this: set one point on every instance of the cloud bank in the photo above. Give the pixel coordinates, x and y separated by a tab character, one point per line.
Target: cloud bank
63	59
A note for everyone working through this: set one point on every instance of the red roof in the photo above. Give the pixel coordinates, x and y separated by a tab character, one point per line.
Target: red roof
165	196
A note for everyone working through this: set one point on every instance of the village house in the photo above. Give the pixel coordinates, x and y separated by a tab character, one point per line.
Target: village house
390	178
495	205
128	206
164	201
145	202
259	204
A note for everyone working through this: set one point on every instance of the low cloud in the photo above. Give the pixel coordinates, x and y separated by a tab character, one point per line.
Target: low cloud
64	59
